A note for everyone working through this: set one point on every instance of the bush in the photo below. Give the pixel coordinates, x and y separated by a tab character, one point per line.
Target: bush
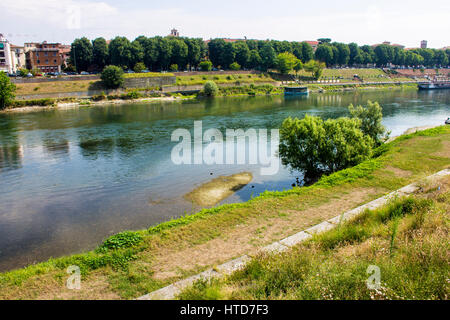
173	67
370	118
210	89
316	146
205	65
235	66
99	97
121	240
134	94
139	67
112	77
7	90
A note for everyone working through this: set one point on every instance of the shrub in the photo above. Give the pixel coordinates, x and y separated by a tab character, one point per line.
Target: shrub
205	65
99	97
139	67
7	89
235	66
112	77
316	146
370	118
173	67
210	89
121	240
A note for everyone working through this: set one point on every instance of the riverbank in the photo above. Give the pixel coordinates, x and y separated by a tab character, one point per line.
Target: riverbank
192	93
135	263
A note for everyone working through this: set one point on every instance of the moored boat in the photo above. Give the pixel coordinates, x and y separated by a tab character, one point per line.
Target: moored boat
433	85
295	91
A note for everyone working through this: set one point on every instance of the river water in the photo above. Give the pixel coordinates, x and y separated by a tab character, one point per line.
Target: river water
69	178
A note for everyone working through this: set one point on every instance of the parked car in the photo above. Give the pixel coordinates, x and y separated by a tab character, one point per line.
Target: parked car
29	75
129	71
84	73
145	71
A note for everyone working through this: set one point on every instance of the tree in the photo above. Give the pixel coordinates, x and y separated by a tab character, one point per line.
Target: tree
254	60
235	66
297	50
173	67
7	90
324	40
139	67
343	54
112	77
285	62
315	67
384	54
268	57
23	72
81	54
120	52
307	52
228	55
315	146
137	53
210	89
216	48
100	53
242	53
370	118
179	53
440	58
298	66
324	53
196	51
205	65
355	51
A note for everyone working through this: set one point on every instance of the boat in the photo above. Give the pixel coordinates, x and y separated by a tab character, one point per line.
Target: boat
295	91
433	85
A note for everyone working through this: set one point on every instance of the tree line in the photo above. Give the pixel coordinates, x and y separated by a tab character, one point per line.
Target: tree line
181	53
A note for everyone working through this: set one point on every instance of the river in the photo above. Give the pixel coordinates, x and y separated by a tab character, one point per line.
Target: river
69	178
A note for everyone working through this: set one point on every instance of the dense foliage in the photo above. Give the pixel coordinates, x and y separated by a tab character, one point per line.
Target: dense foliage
112	77
7	90
159	53
210	89
315	146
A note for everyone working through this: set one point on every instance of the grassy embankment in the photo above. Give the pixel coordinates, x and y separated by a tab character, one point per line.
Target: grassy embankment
408	240
347	75
134	263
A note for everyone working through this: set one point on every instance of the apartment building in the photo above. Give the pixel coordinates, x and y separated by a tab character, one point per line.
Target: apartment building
5	55
44	56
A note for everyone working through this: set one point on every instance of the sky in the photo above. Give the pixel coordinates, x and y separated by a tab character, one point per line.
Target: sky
363	22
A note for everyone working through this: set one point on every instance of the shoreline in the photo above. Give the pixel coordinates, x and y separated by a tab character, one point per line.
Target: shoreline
175	97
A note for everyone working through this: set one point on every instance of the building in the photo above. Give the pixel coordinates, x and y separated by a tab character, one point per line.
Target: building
423	44
174	33
5	55
389	44
313	44
64	51
18	59
44	56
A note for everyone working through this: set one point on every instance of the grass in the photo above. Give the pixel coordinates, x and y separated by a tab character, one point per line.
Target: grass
58	87
236	79
148	75
406	239
133	264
